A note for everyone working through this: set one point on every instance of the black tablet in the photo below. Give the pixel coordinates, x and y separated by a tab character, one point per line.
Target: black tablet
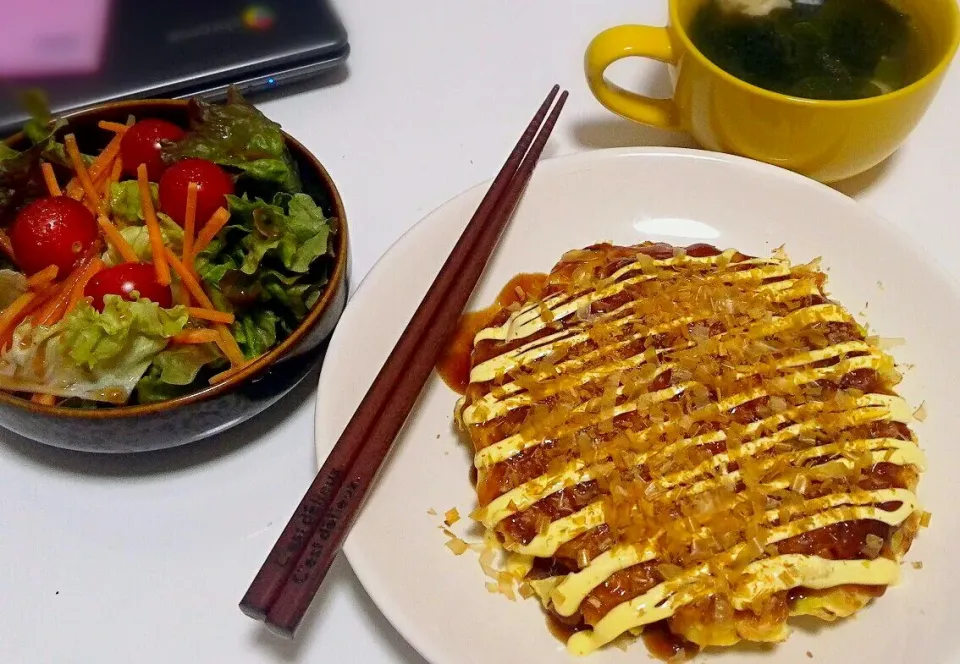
92	51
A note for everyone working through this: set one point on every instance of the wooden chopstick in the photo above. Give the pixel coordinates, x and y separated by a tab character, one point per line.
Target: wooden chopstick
290	606
282	559
381	411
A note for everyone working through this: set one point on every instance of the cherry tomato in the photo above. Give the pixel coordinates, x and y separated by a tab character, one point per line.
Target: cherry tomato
213	184
56	230
125	278
141	145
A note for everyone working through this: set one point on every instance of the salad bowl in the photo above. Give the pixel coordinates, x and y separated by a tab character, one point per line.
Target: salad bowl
248	389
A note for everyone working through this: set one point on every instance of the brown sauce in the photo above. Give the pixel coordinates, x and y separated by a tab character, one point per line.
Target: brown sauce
563	630
454	363
667	646
620	587
586	547
840	541
544	568
525	525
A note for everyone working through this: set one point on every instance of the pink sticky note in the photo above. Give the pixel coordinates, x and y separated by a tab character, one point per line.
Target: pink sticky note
52	37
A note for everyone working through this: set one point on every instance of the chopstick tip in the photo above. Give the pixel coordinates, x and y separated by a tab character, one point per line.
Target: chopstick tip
253	612
285	632
555	113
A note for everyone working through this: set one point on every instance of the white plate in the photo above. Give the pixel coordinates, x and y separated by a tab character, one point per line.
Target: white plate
437	600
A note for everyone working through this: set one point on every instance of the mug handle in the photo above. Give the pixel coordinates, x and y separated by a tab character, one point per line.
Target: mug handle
626	41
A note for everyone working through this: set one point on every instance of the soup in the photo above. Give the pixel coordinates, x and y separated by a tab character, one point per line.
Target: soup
818	49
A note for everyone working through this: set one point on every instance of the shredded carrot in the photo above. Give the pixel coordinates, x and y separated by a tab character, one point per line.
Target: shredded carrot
50	178
189	222
115	127
93	197
44	399
43	296
117	240
114	176
229	347
11	313
77	293
45	293
101	177
188	280
43	277
211	315
117	169
99	169
52	310
103	163
196	337
209	231
224	375
153	226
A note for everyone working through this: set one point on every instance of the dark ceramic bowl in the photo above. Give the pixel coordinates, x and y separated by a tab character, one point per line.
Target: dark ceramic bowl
215	408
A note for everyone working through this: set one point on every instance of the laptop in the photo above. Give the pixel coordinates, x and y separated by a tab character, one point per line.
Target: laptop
86	52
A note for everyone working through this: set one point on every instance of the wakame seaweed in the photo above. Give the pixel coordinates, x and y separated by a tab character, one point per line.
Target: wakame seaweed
834	49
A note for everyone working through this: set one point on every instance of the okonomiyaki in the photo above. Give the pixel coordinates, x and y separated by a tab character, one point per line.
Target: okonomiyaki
689	443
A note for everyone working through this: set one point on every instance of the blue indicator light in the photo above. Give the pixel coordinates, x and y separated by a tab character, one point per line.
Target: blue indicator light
271	81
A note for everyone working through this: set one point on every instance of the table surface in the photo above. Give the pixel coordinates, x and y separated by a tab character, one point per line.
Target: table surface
144	558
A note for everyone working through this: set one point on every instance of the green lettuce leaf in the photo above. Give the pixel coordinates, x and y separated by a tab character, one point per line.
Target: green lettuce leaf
21	180
261	226
41	128
293	292
125	206
175	371
91	355
38	125
264	266
138	238
96	337
292	229
125	200
237	134
180	365
150	389
256	332
282	301
306	236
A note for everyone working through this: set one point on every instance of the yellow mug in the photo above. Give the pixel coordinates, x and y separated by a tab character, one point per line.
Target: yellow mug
825	140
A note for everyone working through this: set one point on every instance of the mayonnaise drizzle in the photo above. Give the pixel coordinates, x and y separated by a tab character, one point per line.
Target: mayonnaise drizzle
513	445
